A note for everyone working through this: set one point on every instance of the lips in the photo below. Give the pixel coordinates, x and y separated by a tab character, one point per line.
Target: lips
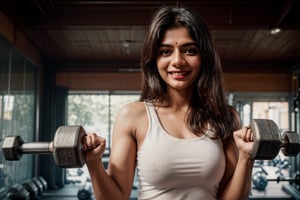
178	74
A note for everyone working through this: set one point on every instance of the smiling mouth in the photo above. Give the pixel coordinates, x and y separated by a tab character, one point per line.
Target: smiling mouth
182	73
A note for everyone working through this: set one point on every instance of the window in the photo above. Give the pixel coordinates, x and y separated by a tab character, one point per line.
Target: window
18	96
95	112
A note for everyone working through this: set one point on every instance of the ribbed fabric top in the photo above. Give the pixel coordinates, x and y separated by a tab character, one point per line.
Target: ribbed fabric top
171	168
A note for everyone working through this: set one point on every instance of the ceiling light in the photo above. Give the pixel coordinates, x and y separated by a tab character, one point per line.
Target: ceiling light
126	45
275	31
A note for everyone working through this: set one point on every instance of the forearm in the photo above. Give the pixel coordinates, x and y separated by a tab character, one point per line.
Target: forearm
239	186
104	186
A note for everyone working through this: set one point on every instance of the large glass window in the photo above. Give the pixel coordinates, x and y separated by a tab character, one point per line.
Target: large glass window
95	112
18	93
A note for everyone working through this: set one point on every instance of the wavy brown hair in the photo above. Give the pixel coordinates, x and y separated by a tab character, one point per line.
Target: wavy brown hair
208	102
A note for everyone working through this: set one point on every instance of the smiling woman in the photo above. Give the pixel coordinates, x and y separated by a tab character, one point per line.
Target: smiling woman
182	112
178	59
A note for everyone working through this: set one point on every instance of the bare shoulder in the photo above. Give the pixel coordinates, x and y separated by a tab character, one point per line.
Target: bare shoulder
132	110
132	119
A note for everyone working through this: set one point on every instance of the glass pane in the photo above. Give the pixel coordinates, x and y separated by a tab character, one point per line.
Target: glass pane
246	114
90	111
96	113
17	110
277	111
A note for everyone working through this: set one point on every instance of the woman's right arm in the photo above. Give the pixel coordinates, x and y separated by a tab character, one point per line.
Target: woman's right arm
115	182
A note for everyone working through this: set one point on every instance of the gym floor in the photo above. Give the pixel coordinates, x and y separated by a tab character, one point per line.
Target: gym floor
273	191
70	192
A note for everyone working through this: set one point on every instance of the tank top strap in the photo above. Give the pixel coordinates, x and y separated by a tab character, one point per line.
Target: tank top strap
151	113
154	124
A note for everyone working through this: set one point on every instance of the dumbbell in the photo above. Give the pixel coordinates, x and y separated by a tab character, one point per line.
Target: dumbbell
44	182
18	192
31	188
268	140
66	147
85	191
260	180
39	185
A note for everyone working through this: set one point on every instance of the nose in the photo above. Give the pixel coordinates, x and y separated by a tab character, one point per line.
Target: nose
178	59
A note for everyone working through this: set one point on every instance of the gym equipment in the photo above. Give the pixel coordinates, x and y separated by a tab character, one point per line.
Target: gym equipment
67	144
31	188
66	147
44	182
268	142
260	180
294	192
85	191
39	185
18	192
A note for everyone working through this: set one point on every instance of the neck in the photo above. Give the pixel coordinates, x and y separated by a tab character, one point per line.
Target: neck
179	100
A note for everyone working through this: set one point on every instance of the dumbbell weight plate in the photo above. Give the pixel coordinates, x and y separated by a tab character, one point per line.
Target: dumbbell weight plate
259	181
67	150
266	144
291	143
39	185
31	188
85	191
10	147
18	192
44	182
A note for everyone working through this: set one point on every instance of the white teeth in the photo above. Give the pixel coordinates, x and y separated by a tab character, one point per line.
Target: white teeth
178	73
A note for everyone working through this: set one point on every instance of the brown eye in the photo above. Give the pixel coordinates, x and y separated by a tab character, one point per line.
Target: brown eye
164	52
191	51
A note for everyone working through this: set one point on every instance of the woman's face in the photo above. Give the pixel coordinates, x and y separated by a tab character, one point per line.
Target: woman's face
178	59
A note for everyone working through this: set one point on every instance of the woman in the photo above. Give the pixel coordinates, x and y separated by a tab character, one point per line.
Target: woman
182	137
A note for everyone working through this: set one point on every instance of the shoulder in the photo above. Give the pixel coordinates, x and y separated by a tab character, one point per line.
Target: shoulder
131	118
133	109
132	113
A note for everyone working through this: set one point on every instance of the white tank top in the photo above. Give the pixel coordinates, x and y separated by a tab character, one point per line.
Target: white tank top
171	168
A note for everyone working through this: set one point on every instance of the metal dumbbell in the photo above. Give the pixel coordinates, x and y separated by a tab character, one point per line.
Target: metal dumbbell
17	191
268	141
31	188
85	191
66	147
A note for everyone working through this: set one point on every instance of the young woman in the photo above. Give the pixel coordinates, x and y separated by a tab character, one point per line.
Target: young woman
182	137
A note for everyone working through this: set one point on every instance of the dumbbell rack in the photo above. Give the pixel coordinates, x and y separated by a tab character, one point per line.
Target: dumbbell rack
29	189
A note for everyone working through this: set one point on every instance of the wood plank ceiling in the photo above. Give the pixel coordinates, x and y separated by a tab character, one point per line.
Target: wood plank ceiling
108	35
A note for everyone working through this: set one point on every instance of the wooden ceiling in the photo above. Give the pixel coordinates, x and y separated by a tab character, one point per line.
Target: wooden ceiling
108	35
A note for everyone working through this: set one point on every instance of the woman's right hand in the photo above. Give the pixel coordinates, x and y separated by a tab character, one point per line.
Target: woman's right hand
93	147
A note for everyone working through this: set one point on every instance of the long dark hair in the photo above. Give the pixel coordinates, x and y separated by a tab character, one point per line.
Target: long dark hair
208	103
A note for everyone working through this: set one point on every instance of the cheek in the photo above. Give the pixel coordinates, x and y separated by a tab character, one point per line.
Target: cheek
161	65
196	68
196	64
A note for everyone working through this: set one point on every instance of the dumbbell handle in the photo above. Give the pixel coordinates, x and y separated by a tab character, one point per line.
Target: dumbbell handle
36	147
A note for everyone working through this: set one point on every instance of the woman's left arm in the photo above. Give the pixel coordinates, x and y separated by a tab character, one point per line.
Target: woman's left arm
236	182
